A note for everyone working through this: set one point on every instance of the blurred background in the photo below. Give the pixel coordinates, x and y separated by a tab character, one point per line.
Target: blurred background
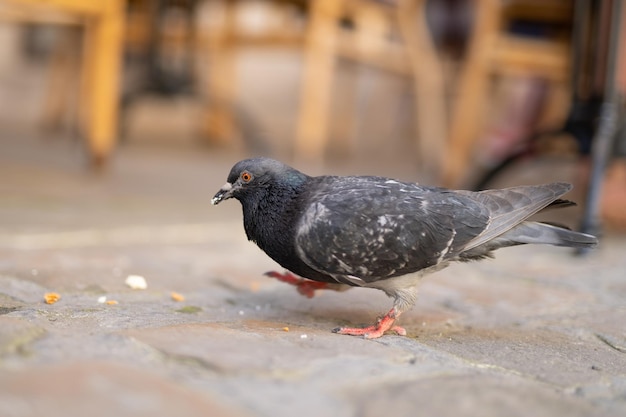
459	93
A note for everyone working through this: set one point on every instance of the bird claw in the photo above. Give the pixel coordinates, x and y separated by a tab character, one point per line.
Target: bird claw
305	287
382	325
371	332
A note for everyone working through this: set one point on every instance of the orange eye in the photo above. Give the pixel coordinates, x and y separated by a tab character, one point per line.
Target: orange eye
246	176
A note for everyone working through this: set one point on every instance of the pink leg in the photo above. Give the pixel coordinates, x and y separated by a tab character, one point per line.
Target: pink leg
382	325
305	287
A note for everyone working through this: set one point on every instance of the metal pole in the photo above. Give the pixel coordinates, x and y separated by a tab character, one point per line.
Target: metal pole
602	144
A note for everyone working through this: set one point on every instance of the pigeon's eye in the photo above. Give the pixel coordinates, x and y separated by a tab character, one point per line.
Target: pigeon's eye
246	176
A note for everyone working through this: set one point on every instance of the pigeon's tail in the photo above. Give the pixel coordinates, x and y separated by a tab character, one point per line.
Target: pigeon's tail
535	232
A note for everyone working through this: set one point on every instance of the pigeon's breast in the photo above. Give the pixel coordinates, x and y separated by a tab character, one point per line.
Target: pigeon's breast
271	224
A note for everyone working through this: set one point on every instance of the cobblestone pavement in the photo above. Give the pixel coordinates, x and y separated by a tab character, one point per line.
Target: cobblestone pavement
534	332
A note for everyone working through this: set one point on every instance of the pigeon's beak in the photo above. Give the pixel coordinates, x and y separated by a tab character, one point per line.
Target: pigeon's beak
223	194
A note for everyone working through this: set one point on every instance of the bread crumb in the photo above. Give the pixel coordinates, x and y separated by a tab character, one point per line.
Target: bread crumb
51	297
112	302
285	329
136	282
177	297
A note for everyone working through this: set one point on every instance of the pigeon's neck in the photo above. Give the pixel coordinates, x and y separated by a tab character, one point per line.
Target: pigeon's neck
271	215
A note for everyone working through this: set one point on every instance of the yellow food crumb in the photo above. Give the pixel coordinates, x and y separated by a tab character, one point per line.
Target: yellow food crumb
286	329
177	297
51	297
111	302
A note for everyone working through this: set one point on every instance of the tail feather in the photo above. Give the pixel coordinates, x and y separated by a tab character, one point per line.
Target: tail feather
544	233
509	207
559	203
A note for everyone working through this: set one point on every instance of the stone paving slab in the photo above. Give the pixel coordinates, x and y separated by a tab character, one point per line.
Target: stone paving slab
97	389
476	395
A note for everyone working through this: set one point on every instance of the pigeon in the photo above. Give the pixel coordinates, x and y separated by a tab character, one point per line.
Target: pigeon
336	232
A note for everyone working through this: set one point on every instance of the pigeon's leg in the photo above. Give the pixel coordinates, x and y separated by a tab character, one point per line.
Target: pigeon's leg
404	299
382	325
304	286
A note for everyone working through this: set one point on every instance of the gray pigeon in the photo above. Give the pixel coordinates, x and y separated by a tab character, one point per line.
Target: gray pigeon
381	233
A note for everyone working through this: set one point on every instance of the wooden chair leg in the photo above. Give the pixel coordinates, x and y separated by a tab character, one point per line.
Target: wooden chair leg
469	106
101	73
219	112
313	119
428	81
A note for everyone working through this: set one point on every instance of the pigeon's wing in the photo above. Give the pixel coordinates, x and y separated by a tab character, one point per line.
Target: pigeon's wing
510	206
372	228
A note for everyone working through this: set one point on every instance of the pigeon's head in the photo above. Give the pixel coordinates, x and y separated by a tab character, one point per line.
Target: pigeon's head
250	178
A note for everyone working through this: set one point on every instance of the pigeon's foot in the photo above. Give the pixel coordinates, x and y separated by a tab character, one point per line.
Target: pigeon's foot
304	286
382	325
